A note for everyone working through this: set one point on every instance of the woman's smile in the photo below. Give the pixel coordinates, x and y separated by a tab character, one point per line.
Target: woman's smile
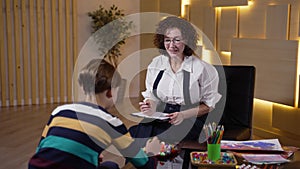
174	42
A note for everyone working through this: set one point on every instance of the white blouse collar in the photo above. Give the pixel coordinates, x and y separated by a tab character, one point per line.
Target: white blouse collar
186	64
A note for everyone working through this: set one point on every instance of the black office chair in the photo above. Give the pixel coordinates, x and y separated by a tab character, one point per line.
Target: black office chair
236	85
238	98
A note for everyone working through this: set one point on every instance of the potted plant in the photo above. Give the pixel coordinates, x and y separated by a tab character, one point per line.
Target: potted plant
110	29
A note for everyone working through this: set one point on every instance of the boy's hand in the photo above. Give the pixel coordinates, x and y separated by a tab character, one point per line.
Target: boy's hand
100	158
153	146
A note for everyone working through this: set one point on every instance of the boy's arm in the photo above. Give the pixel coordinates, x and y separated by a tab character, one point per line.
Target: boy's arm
152	147
133	150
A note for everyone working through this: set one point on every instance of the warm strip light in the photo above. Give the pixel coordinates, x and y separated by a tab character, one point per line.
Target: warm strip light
183	3
284	106
199	42
263	102
226	53
250	3
232	7
268	103
244	7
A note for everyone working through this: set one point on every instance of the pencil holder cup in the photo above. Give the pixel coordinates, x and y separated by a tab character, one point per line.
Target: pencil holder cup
214	151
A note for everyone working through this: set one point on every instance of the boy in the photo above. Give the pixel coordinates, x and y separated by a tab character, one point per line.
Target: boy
77	133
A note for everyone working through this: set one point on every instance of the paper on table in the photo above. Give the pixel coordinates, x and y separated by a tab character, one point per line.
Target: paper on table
261	145
156	115
264	158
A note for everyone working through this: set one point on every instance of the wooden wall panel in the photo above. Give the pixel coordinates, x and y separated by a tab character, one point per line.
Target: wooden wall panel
276	65
74	31
48	58
277	23
286	119
40	55
61	52
18	64
227	29
220	3
9	51
37	56
26	65
197	10
252	21
172	7
33	45
3	81
209	28
55	65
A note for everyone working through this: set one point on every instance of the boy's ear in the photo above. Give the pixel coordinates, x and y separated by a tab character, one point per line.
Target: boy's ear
108	93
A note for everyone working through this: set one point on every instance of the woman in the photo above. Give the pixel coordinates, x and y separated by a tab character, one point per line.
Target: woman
177	83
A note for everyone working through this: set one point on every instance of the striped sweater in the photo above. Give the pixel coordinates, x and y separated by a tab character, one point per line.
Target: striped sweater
77	133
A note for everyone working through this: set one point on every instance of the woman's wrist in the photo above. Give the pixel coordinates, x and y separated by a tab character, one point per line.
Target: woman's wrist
190	113
182	115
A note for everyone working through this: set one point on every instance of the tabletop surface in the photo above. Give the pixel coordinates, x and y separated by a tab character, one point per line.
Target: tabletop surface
190	146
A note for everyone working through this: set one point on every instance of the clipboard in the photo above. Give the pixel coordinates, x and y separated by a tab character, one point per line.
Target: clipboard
156	116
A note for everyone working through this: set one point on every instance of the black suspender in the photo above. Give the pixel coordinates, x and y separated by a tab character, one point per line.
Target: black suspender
186	86
159	76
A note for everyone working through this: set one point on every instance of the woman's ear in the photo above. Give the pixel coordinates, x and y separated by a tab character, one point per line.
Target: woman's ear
108	93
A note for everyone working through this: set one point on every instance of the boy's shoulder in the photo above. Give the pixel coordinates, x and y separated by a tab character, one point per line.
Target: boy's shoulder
89	110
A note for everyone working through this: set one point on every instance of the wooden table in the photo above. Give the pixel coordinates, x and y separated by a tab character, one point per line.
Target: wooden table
190	146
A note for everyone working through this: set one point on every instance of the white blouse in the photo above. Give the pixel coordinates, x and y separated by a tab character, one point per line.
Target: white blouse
204	81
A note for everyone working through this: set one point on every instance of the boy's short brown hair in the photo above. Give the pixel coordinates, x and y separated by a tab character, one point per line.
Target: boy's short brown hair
97	76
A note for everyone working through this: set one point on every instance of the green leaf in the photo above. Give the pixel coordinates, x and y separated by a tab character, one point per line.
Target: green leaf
118	29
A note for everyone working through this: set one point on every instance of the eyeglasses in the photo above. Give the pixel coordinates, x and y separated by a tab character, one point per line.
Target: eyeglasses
175	41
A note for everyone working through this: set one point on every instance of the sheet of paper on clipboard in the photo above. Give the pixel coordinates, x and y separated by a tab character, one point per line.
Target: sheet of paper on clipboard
156	115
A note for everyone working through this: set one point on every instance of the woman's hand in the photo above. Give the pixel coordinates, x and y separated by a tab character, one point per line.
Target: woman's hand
176	118
147	107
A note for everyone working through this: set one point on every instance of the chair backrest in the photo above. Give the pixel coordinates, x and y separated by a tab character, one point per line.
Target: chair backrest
237	88
236	85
